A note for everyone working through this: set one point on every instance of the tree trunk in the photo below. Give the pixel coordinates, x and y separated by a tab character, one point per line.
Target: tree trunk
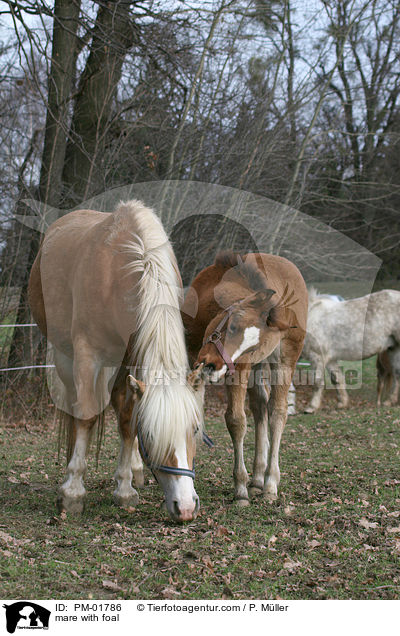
65	24
112	37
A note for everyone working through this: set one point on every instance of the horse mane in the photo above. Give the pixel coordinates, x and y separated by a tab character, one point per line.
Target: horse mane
168	408
248	270
314	296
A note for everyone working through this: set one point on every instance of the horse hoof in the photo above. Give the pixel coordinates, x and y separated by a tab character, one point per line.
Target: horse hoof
128	501
241	503
341	405
138	477
309	410
72	506
270	496
255	491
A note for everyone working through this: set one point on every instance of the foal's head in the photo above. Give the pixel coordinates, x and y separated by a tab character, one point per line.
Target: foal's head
247	331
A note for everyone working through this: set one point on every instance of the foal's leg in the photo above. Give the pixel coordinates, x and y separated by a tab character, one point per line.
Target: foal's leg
317	364
277	410
339	381
85	411
129	458
235	418
258	399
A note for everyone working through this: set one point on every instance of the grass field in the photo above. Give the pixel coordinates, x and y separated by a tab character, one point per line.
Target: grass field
334	532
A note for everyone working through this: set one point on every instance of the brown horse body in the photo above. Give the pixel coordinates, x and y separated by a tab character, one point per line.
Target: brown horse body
259	304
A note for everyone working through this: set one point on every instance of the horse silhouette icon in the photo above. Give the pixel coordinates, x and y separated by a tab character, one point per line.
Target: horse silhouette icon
27	615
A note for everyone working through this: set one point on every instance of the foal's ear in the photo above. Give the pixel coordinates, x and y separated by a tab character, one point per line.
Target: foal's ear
273	320
261	297
135	386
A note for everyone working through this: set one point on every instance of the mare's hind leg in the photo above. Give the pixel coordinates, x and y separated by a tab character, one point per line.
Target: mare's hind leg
339	381
129	458
258	399
235	418
85	411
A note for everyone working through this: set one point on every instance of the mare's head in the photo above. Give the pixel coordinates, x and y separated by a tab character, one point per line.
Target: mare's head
247	331
167	420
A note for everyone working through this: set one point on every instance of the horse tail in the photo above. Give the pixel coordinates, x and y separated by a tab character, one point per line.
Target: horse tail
65	433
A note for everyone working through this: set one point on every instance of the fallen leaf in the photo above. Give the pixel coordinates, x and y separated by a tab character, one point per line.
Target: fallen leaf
313	544
367	524
169	592
207	562
111	585
289	564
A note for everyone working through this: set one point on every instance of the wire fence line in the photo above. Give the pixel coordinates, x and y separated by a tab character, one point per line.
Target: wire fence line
52	366
24	368
30	324
35	366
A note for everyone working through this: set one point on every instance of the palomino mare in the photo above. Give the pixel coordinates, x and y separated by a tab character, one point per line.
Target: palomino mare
247	313
348	330
105	290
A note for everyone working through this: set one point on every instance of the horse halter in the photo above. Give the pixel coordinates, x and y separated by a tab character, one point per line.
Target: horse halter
215	338
171	470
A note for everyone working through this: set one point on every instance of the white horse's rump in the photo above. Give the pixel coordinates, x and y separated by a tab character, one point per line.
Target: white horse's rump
349	330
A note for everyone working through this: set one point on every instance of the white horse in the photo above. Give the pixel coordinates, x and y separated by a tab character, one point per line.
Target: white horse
349	330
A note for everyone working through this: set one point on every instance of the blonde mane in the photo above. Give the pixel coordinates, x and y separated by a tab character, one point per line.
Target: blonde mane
168	409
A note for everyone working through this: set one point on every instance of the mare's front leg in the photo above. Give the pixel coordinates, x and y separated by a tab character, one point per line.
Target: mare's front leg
72	492
129	458
277	411
235	419
258	400
85	411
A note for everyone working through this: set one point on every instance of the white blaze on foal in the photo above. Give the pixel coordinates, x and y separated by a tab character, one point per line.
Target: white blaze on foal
251	338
